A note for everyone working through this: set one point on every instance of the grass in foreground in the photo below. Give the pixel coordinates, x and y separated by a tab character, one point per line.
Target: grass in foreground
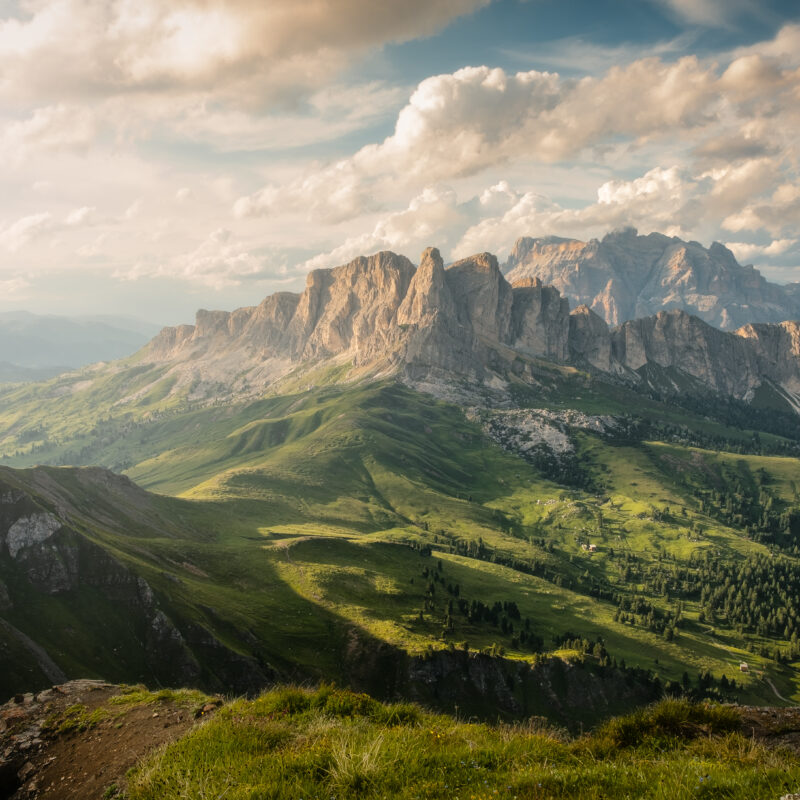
331	743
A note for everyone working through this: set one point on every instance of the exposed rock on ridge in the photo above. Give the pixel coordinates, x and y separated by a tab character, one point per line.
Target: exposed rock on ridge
383	315
625	276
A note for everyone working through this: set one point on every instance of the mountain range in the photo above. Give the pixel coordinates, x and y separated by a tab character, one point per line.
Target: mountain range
385	315
419	481
625	276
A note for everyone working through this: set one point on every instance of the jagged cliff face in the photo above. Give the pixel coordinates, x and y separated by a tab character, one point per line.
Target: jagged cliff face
625	276
378	312
385	316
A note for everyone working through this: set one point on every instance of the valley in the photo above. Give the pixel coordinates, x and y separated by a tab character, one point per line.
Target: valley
298	529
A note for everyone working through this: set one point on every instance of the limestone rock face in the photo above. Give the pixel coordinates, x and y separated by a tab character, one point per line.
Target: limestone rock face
777	348
429	297
589	339
353	308
539	320
625	276
383	315
430	336
483	298
722	361
31	530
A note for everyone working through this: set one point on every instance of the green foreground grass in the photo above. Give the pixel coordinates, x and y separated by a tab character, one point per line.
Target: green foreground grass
331	743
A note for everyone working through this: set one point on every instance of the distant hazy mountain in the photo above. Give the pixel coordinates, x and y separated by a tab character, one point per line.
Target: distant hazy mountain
625	276
33	346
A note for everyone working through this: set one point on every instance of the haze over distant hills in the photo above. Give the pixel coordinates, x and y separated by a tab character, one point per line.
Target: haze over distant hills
34	347
625	276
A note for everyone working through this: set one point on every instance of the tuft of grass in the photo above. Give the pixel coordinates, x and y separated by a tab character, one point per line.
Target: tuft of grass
357	763
139	695
667	722
74	719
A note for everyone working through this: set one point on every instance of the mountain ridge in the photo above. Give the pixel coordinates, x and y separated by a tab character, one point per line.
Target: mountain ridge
626	276
383	315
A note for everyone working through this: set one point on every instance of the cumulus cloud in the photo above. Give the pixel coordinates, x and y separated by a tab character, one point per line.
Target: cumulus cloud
218	261
332	195
433	215
745	251
460	124
90	47
777	214
669	200
48	129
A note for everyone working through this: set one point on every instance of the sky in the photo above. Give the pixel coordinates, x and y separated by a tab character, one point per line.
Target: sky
159	156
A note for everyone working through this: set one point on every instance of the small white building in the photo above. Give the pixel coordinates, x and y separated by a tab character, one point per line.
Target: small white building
744	667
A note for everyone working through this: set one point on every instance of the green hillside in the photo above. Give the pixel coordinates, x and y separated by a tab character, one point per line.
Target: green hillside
289	527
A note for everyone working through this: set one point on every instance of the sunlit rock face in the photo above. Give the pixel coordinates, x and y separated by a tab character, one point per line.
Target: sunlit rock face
382	315
625	276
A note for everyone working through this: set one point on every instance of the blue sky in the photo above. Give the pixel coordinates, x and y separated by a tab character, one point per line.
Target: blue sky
159	156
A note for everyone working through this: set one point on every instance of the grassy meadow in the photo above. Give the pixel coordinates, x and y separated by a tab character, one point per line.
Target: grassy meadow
282	524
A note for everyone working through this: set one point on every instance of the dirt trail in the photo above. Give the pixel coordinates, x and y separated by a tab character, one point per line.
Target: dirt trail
70	743
777	693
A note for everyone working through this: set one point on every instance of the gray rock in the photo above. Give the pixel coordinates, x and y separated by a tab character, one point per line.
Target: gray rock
625	276
30	530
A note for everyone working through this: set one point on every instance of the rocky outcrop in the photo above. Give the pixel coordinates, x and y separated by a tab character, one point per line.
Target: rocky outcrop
483	298
625	276
135	633
777	348
539	320
723	362
377	311
730	363
492	687
29	531
589	339
468	322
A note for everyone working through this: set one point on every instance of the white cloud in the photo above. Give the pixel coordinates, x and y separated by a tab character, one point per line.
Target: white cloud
712	13
777	214
331	195
256	50
16	235
784	46
220	260
745	251
432	216
668	200
462	124
22	232
48	129
85	215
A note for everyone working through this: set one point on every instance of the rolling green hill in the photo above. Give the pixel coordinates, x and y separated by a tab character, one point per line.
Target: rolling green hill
367	533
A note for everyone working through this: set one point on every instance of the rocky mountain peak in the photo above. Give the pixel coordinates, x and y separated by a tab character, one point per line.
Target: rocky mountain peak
627	276
428	295
383	315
